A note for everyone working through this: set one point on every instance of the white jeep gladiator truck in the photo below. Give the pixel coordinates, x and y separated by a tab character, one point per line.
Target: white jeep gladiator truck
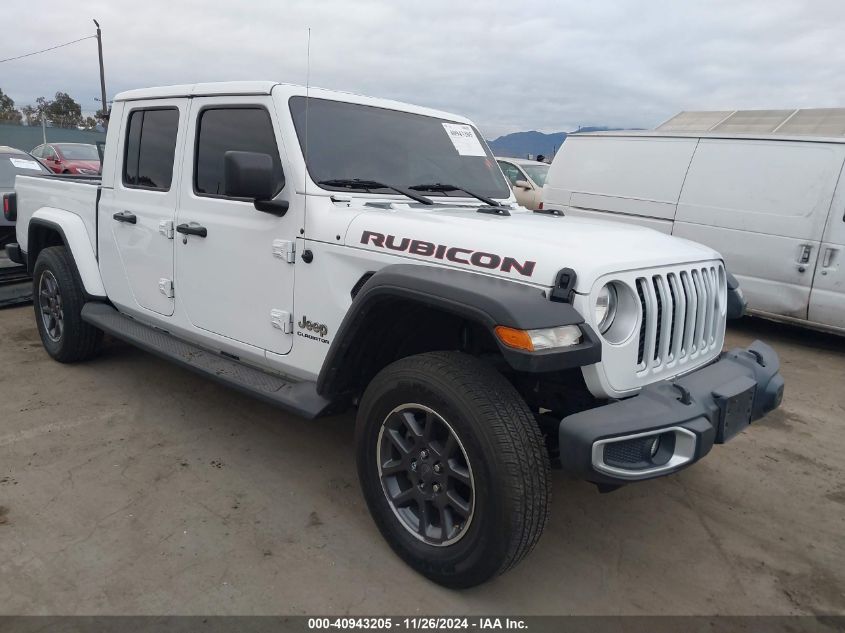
323	250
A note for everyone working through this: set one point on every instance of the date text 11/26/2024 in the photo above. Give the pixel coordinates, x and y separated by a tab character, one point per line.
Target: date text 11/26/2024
417	623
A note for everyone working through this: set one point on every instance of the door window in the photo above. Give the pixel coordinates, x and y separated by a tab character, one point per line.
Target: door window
150	148
511	172
245	129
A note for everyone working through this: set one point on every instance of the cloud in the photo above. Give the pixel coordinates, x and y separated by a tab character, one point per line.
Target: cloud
540	64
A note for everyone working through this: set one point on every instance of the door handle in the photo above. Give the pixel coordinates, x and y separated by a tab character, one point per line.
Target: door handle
192	229
125	216
827	259
804	254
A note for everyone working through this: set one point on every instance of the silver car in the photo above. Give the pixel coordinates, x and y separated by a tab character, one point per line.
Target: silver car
13	162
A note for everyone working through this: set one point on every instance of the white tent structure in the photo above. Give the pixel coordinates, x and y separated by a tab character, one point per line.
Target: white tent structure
826	122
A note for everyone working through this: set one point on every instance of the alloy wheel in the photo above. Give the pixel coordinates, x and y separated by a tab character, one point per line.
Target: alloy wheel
51	307
425	474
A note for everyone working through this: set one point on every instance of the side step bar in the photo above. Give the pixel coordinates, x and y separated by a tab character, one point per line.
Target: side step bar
300	398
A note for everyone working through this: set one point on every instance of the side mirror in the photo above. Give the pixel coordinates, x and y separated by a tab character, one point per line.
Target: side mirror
250	175
522	184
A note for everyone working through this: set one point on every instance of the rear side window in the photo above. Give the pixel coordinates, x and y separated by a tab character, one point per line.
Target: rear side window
150	148
224	129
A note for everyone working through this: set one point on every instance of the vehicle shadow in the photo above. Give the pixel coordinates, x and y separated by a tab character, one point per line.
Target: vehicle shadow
768	330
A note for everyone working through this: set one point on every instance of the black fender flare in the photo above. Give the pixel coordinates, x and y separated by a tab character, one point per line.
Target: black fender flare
489	301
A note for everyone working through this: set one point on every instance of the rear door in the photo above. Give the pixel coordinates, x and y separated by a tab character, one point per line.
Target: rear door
762	204
137	262
827	299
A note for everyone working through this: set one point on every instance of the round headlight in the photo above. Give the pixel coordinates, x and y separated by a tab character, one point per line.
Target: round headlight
606	303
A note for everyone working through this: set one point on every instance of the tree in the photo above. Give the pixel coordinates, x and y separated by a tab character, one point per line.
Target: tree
32	114
102	117
63	111
8	113
88	123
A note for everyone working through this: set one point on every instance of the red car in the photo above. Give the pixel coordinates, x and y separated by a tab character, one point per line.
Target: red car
69	158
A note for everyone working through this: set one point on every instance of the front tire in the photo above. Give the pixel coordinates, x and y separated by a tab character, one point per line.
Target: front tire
453	467
58	297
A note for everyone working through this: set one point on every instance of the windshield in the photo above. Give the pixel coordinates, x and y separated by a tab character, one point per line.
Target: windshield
79	152
11	166
537	173
348	141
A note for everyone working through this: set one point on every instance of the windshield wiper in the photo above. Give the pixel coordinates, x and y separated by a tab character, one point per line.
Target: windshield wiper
357	183
438	186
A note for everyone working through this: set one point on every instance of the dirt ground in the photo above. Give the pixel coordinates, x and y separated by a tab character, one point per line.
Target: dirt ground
131	486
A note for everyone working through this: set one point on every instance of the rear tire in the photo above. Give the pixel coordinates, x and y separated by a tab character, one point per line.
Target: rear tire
453	467
58	297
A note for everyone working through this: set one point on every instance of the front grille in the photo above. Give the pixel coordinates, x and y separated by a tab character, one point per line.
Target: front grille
681	315
641	350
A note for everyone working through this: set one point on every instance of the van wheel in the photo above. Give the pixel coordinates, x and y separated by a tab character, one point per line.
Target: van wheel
452	466
58	298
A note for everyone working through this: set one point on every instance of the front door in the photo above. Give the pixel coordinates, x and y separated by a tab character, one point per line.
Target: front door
525	197
138	212
236	281
827	300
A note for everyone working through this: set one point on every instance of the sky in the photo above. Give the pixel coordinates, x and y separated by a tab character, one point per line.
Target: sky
548	65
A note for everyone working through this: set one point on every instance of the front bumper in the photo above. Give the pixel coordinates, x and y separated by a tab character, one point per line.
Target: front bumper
672	424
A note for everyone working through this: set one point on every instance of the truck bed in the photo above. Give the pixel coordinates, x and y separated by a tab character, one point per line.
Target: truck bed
74	194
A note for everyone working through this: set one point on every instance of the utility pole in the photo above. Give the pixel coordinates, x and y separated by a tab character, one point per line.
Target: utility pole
102	75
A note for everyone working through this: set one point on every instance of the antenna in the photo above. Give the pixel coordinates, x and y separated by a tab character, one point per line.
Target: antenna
307	89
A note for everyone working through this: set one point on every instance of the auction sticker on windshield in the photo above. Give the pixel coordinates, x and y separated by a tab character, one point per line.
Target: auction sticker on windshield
23	163
464	139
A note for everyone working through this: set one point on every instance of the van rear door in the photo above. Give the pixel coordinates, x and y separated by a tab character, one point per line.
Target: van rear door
629	179
762	204
827	299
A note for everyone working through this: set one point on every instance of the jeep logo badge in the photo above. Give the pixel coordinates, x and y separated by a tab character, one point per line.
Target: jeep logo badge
317	328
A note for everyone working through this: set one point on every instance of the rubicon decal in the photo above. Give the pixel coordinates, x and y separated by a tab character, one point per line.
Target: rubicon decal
480	259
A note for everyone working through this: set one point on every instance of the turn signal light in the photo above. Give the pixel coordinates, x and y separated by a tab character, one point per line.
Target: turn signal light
517	339
536	340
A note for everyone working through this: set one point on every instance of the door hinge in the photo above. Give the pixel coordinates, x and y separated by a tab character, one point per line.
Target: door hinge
165	227
166	287
282	320
284	249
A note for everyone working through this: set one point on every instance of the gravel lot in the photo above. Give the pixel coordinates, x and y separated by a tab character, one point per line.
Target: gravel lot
131	486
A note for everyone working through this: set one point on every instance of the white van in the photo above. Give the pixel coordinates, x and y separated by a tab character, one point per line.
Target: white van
773	206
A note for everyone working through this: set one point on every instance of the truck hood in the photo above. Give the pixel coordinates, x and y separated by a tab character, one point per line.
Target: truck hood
525	246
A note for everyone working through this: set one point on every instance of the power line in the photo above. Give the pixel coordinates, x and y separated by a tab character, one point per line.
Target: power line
52	48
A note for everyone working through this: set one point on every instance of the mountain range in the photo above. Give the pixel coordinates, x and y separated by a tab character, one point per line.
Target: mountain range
521	144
